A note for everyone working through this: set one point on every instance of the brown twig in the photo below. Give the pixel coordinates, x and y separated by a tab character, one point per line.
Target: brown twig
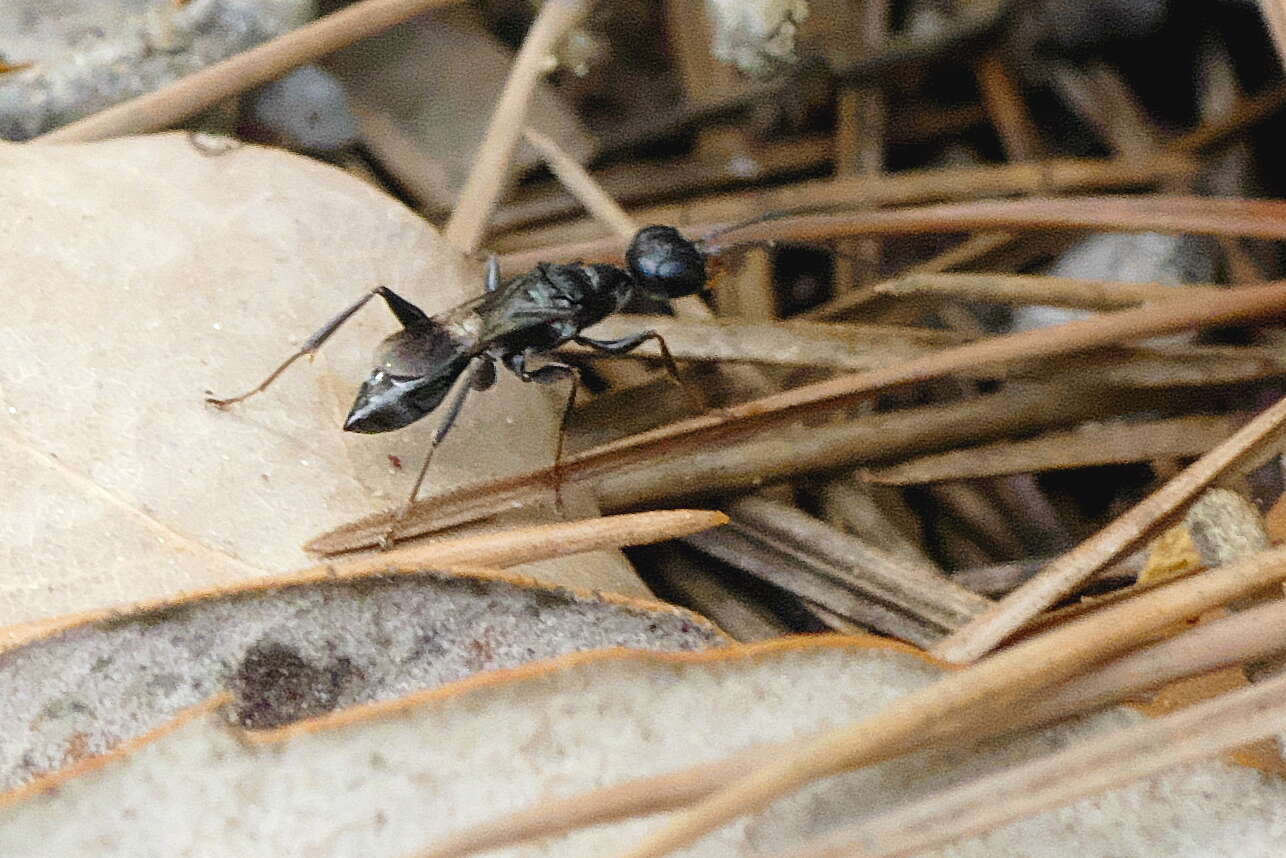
1127	531
798	450
904	188
1025	289
1275	14
966	252
424	178
711	594
578	183
639	182
860	128
1245	114
1104	100
192	94
920	591
490	168
1085	446
808	344
1156	213
814	581
527	544
959	701
1169	366
1094	765
780	409
1008	112
969	505
879	516
998	579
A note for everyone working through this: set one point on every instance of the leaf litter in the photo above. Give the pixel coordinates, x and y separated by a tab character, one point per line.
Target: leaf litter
394	779
151	273
292	652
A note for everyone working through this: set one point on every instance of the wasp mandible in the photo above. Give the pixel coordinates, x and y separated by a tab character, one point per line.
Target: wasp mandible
510	323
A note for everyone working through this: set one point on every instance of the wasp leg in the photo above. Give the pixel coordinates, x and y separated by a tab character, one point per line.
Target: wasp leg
628	344
548	374
493	273
478	377
406	312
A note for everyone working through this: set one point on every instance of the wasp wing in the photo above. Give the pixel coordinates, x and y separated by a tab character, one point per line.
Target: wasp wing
523	304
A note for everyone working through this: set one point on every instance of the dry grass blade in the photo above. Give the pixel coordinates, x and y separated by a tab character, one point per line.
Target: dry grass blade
527	544
491	165
1251	634
1127	531
1199	215
194	93
987	691
1032	289
779	409
1196	733
1085	446
808	344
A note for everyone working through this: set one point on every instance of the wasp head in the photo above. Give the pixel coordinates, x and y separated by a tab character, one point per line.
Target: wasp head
414	370
664	264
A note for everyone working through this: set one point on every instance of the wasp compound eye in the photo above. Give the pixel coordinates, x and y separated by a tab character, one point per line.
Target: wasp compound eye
664	264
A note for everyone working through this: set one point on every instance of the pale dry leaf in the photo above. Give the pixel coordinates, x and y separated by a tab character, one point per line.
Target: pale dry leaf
141	273
297	651
390	781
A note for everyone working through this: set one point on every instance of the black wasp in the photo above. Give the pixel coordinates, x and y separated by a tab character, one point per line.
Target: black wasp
510	322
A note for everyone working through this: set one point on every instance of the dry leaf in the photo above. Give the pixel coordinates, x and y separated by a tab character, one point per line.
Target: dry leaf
390	780
296	651
141	273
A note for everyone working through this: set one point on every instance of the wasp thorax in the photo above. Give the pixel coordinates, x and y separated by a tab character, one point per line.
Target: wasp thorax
664	264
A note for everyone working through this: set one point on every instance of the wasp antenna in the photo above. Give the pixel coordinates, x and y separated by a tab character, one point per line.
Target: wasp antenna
703	243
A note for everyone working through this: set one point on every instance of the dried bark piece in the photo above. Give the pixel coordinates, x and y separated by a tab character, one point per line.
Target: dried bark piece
91	55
